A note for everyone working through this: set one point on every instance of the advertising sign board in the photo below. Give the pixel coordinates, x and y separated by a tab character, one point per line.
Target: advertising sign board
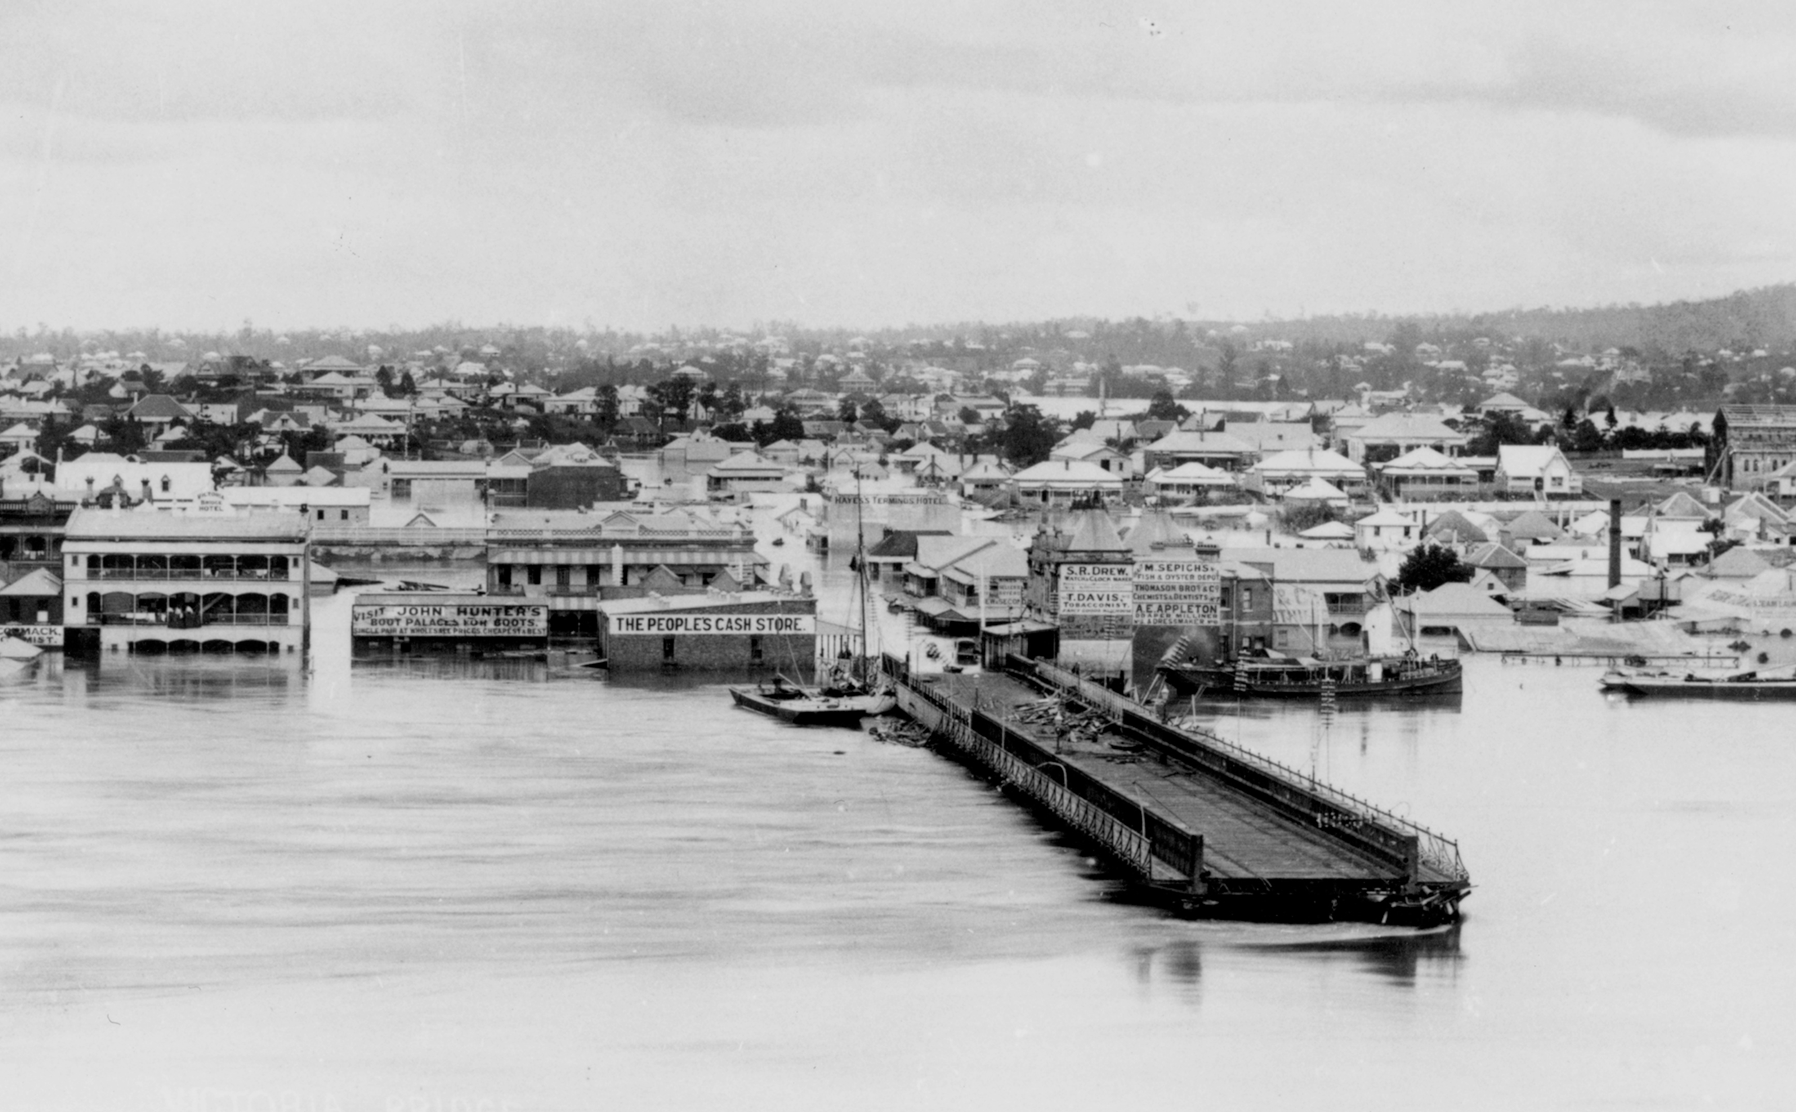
675	625
1180	592
1091	590
450	620
43	636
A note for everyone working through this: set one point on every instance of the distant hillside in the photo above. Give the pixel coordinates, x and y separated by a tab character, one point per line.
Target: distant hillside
1761	318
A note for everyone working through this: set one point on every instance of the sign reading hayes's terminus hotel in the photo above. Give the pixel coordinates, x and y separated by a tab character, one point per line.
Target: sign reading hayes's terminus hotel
451	620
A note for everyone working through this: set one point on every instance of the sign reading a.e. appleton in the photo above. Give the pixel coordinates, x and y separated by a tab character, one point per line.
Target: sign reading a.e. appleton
666	625
451	620
1177	592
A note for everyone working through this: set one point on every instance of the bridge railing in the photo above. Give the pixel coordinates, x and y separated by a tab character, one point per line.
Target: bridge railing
1130	847
1438	853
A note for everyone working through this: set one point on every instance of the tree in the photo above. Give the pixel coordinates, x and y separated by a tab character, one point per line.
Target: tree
674	395
1585	437
1028	436
1163	407
873	412
1429	566
1500	428
605	398
968	415
708	398
1084	419
786	425
846	412
1295	517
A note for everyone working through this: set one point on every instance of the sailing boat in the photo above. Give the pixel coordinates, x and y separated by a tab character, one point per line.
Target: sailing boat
845	697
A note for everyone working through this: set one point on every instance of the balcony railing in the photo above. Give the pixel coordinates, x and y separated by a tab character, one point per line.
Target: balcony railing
162	621
191	573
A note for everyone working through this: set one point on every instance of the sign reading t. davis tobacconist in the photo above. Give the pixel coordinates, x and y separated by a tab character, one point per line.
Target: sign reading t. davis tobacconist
1177	592
450	620
1095	589
674	624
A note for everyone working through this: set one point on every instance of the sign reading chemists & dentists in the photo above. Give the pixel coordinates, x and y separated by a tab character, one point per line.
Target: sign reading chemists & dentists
451	620
667	625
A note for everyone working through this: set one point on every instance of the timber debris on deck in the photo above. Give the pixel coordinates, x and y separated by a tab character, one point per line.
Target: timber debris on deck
1196	824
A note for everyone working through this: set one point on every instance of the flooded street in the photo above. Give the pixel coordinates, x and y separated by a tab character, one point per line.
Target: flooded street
412	885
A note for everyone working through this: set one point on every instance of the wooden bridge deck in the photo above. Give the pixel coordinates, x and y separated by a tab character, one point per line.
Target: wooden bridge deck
1244	838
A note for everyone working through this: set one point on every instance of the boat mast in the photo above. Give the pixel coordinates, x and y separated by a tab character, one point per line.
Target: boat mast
860	577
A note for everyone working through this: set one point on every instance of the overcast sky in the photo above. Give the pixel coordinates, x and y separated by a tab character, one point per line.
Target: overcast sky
192	164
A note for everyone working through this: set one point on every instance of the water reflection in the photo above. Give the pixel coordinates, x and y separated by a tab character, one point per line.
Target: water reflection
1180	963
1394	957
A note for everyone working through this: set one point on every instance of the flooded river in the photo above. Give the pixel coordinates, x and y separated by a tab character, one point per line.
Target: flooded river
445	886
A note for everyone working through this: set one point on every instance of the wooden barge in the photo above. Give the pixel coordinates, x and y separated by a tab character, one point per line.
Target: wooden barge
1192	823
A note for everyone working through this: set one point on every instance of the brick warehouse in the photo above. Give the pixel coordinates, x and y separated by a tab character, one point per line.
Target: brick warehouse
755	630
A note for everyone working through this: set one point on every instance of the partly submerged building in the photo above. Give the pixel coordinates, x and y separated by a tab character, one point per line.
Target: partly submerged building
153	581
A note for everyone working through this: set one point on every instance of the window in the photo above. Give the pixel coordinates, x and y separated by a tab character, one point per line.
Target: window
504	575
533	575
402	488
342	515
667	650
1247	598
320	515
754	649
563	575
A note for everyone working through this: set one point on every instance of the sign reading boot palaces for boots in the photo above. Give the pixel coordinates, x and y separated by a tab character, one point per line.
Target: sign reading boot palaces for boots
500	620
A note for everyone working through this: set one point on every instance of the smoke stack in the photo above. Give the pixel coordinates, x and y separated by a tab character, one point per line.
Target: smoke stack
1614	542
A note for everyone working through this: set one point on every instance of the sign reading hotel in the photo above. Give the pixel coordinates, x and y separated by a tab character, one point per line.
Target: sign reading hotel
1181	592
900	498
1096	590
674	625
451	620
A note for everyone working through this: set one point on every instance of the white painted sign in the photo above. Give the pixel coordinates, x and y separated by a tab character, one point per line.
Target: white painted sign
1096	589
450	620
43	636
1295	605
1177	592
674	625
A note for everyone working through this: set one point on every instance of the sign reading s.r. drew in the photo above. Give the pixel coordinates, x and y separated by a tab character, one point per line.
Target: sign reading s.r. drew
1177	592
451	620
671	625
1095	589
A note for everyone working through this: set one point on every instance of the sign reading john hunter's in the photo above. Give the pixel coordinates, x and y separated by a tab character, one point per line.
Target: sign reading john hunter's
451	620
1177	592
676	624
1095	589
